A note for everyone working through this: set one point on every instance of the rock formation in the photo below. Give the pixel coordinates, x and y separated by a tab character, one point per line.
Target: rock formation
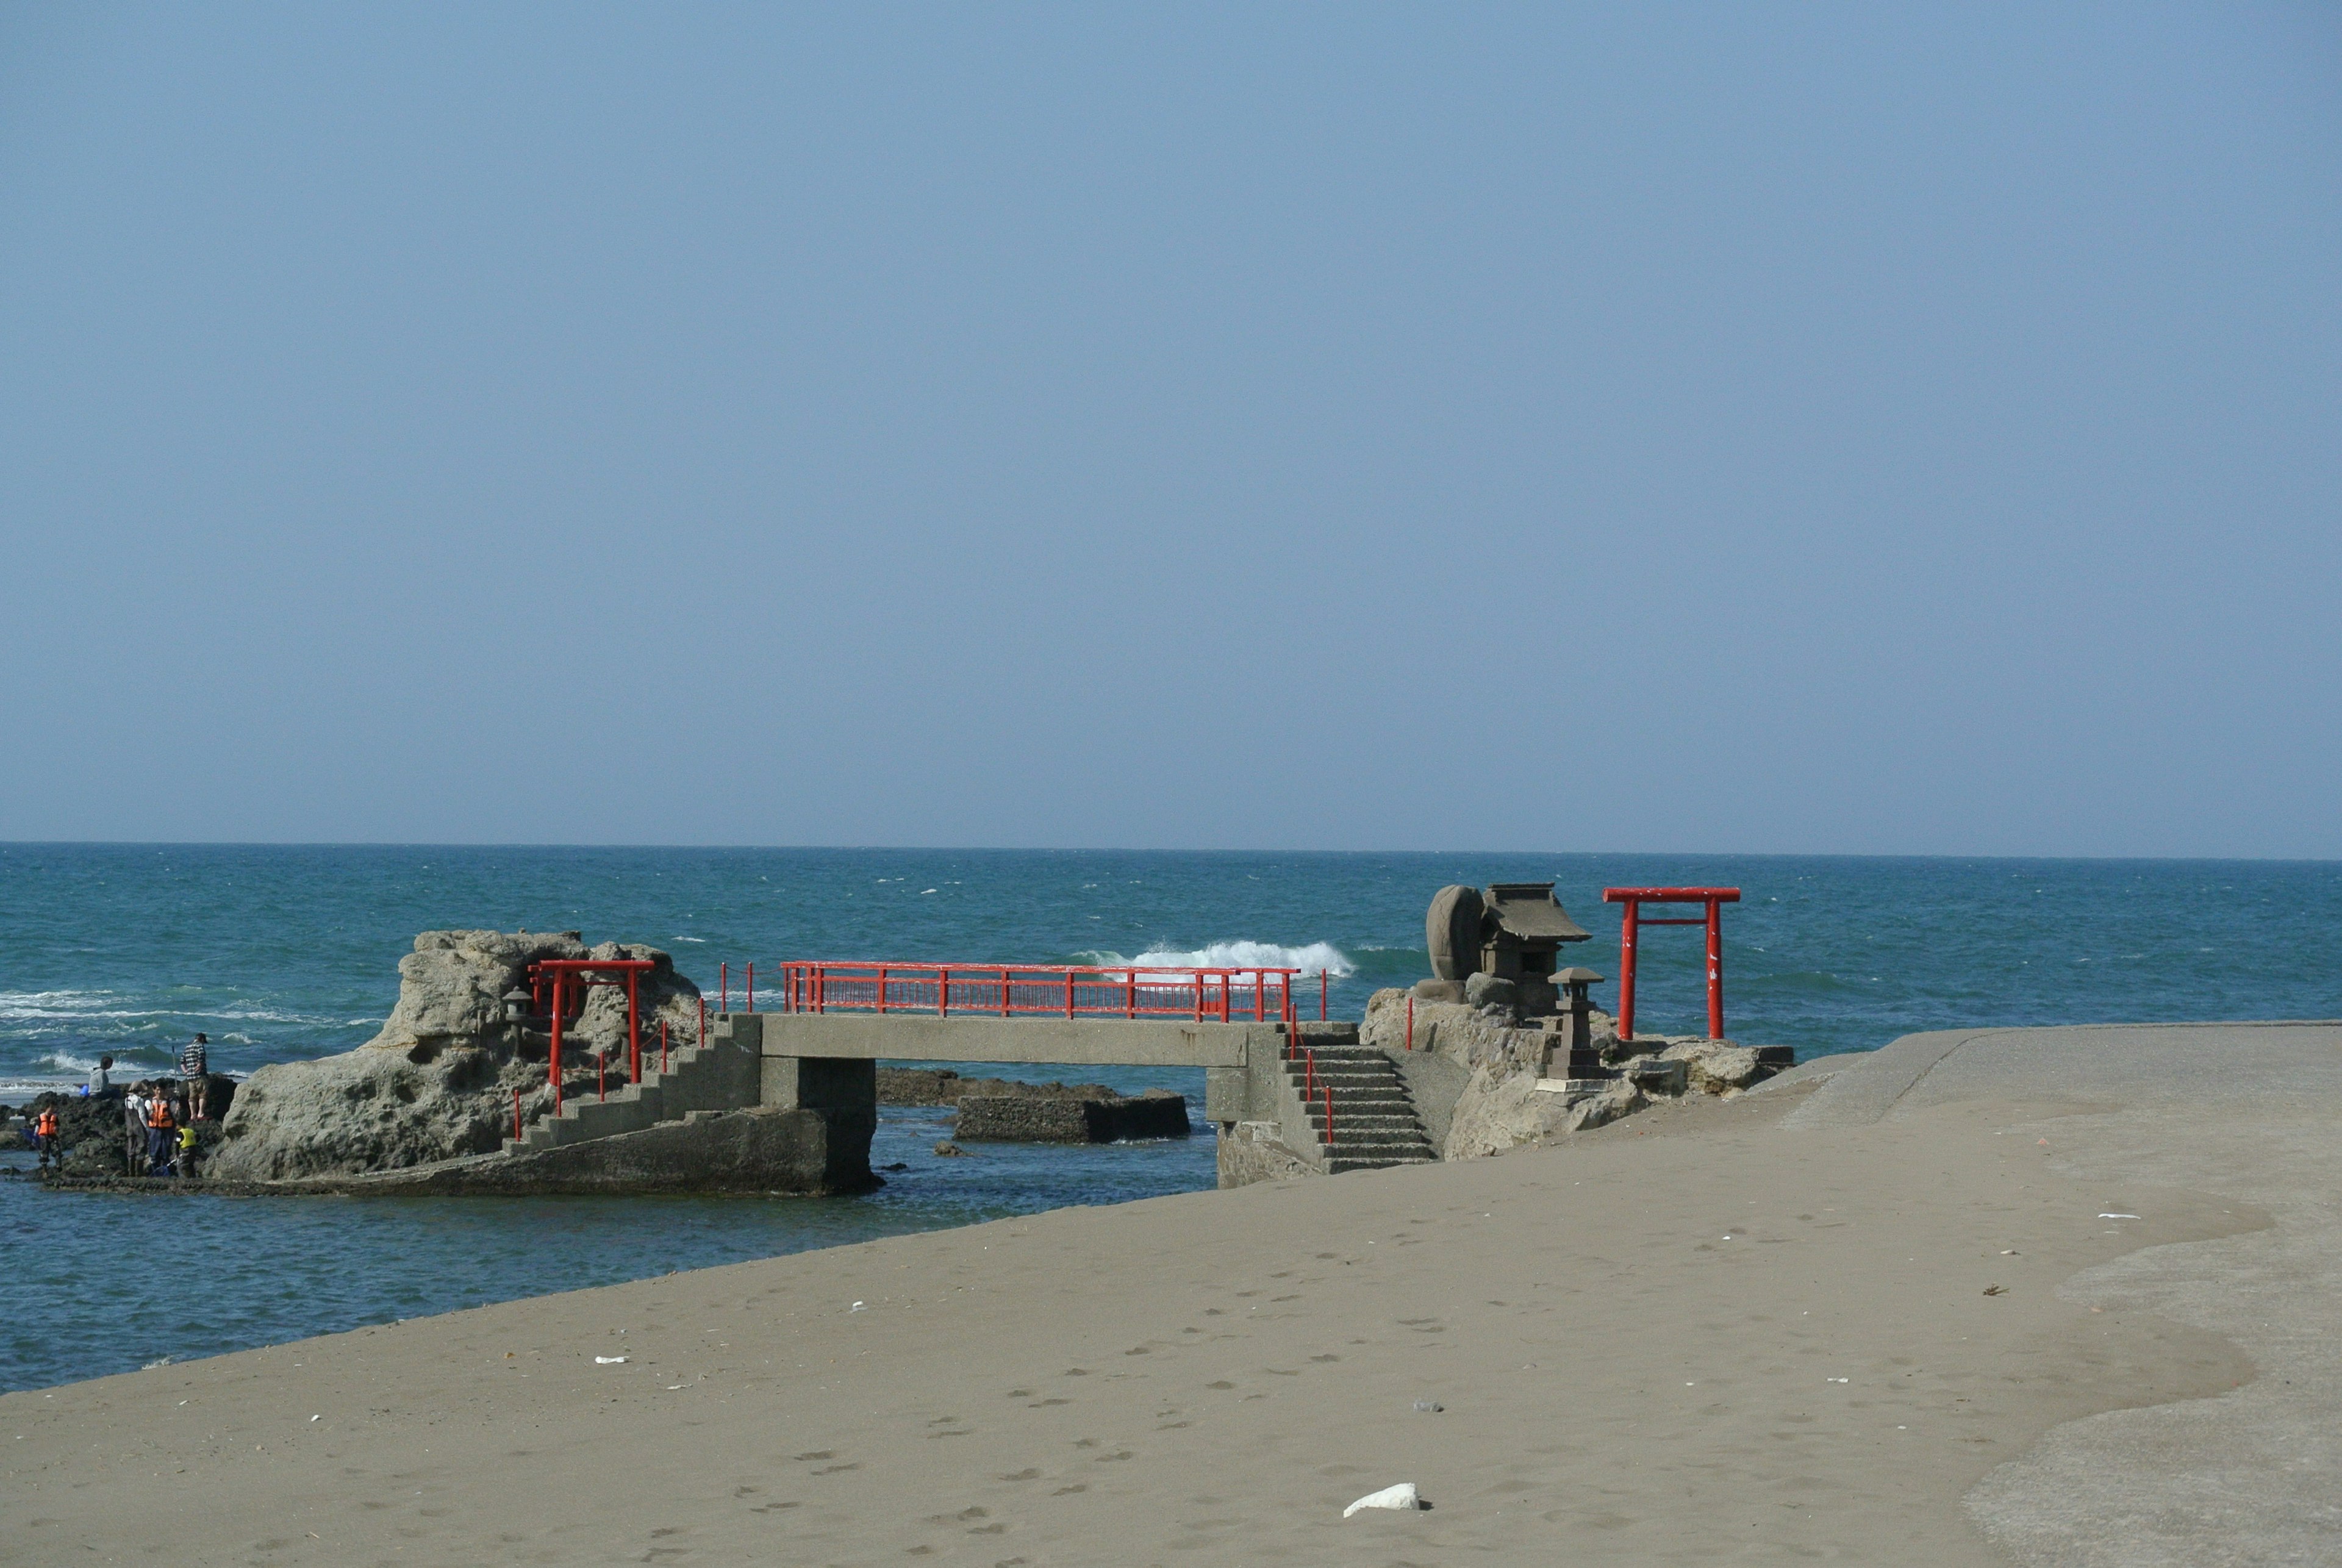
1501	1105
439	1080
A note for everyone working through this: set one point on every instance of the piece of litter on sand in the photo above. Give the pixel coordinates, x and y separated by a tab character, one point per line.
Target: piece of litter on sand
2117	1216
1433	1406
1402	1495
2009	1252
316	1418
1995	1290
609	1360
856	1307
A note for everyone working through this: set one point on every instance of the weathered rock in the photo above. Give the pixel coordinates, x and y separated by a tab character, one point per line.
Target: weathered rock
1492	991
1499	1113
1467	1035
1658	1075
1440	991
439	1082
1451	930
1717	1066
1624	1097
1500	1106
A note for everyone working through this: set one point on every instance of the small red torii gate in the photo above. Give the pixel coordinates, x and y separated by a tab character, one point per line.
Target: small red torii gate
1634	898
558	972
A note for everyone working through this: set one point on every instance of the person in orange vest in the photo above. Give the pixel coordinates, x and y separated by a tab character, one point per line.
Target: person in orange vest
45	1136
162	1129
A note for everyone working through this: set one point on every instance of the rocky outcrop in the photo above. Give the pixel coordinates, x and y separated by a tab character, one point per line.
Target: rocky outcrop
1501	1104
440	1080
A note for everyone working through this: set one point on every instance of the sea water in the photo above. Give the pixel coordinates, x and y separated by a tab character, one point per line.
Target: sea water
281	953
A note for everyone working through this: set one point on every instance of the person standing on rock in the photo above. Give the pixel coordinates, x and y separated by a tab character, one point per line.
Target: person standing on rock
162	1130
134	1126
194	1069
45	1136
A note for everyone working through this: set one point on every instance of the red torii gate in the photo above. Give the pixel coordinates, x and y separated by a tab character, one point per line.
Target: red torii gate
1634	898
558	972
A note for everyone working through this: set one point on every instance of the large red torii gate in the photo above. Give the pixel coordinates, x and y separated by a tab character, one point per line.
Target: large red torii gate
1634	898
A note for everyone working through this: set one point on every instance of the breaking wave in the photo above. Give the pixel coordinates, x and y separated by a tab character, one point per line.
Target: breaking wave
1317	958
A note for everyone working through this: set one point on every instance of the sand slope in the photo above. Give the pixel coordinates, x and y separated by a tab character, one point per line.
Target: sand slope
1637	1337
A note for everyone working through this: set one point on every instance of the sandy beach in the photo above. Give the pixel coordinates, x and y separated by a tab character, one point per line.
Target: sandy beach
1879	1313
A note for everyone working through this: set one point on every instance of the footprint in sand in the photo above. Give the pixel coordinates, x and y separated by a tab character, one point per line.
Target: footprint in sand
1222	1384
817	1454
1044	1404
1025	1475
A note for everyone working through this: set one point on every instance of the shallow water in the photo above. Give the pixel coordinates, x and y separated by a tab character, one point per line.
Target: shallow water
282	953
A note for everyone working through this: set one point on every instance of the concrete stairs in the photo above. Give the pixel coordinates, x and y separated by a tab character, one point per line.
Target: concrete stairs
695	1080
1374	1121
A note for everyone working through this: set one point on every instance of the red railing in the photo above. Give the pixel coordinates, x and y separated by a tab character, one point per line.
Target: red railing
1041	991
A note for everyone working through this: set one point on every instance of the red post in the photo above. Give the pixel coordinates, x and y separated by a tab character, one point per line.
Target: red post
1324	985
634	1027
1069	994
1626	932
724	986
1004	992
1714	969
1225	981
1130	995
882	988
1199	997
942	991
552	1058
1410	1020
752	985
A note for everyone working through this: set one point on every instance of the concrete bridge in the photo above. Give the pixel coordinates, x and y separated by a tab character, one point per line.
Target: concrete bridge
812	1067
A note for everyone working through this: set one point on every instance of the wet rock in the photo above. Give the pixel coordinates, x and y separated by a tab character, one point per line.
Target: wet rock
950	1151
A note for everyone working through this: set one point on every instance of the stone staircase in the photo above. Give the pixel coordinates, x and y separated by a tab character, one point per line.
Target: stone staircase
1374	1121
698	1078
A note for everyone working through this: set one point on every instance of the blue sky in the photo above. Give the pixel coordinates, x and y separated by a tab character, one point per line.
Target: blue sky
1830	429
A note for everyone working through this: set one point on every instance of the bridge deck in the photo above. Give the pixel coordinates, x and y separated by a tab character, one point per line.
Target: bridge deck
973	1037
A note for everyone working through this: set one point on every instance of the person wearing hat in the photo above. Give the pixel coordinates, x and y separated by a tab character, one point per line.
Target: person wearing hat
194	1069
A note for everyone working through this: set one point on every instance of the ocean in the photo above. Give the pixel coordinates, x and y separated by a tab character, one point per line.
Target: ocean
279	953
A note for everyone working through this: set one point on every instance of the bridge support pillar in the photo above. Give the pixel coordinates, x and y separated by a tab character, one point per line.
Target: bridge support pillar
833	1101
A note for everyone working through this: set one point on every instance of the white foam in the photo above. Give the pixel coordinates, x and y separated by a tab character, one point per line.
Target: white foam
1316	958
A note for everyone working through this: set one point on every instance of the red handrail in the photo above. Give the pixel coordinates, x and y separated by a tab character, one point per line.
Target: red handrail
1033	989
